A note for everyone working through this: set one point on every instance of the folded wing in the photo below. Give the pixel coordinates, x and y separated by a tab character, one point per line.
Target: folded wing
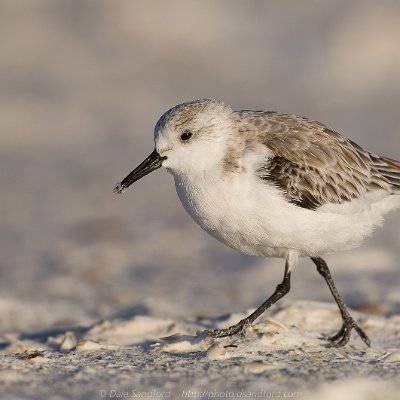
314	165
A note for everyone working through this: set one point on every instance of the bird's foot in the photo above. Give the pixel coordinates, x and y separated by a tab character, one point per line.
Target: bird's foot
238	328
342	337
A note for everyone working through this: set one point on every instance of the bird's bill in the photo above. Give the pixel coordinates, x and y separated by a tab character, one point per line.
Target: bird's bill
151	163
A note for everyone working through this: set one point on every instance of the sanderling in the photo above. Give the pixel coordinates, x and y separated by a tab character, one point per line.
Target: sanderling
273	184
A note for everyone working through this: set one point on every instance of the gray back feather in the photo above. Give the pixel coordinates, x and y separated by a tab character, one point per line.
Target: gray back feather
314	165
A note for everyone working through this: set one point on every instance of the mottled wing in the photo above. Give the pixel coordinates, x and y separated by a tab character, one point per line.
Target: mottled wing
314	165
389	170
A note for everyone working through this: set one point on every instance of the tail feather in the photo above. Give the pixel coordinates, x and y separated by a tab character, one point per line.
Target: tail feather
389	170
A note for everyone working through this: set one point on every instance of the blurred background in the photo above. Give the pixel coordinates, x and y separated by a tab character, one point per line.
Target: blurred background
82	84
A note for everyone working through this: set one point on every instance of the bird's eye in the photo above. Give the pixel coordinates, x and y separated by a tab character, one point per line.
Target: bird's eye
186	135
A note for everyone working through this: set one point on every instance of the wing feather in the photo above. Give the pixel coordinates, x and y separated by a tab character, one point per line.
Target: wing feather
314	165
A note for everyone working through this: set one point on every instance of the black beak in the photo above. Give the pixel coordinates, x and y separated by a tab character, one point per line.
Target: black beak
151	163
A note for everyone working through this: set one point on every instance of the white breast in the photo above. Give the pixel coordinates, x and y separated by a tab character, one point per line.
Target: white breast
224	210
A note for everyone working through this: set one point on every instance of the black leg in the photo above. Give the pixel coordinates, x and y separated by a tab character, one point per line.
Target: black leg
343	336
280	291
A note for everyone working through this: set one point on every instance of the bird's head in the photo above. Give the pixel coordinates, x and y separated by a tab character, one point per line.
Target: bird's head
190	138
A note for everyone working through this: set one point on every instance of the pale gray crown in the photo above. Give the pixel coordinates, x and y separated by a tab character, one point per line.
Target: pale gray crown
185	112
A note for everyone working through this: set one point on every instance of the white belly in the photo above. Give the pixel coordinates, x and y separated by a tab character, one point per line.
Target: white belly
254	218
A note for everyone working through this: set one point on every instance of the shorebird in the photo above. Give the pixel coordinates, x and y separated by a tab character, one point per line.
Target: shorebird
273	184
